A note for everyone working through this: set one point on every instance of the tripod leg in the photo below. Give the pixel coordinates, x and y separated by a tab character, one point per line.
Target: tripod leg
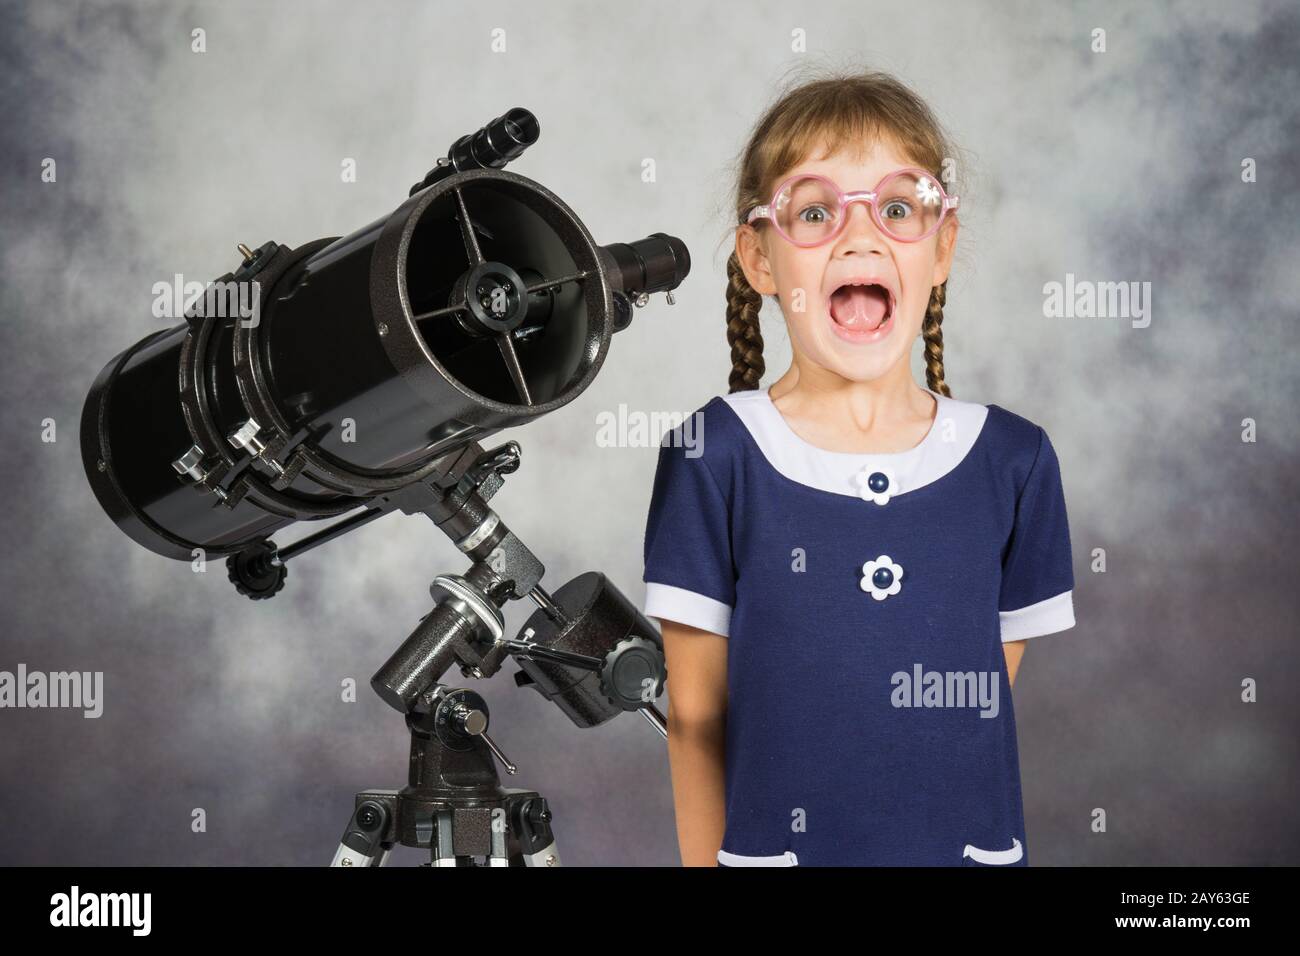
346	856
547	856
530	818
363	840
500	855
442	849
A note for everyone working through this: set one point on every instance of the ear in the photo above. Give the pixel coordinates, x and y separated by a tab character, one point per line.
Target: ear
753	260
944	251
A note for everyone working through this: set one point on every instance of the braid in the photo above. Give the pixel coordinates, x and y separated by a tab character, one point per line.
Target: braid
743	334
932	334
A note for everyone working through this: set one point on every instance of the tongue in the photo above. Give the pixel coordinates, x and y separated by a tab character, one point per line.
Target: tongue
861	308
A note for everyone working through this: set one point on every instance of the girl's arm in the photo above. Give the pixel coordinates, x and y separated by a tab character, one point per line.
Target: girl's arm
1014	650
697	725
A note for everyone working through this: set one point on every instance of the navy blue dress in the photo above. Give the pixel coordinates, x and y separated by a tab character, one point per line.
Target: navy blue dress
865	599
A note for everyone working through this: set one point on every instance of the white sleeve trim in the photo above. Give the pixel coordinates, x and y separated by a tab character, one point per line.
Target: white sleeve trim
787	858
687	607
1046	617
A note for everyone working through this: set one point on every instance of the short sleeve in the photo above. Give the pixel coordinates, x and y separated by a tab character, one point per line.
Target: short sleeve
1037	595
689	573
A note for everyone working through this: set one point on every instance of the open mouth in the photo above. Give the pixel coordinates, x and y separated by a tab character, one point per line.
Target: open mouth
861	309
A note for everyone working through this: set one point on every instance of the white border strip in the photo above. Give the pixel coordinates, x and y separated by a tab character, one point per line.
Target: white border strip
835	471
735	859
1046	617
995	857
671	603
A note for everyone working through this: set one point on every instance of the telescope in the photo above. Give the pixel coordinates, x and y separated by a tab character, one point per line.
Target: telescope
350	377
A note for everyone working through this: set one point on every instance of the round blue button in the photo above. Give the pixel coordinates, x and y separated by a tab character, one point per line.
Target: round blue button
883	578
878	482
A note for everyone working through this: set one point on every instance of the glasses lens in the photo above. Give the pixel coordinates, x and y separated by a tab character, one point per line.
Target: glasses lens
910	205
808	209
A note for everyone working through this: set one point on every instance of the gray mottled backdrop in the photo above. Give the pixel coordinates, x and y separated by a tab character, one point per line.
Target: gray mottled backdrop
1122	165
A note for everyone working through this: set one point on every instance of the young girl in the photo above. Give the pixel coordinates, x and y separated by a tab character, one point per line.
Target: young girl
846	565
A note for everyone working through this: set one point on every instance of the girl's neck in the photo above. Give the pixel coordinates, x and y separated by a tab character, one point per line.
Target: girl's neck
883	416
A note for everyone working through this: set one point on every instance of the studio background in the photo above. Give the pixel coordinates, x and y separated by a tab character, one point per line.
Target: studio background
1117	166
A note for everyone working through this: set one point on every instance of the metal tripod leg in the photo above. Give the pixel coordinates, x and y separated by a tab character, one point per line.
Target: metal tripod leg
349	857
441	853
530	820
362	843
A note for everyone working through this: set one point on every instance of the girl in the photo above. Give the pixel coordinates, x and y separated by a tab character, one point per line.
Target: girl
846	565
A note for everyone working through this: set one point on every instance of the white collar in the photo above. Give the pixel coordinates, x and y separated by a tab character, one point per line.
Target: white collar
951	436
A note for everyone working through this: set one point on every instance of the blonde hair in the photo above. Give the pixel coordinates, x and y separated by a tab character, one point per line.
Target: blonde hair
852	108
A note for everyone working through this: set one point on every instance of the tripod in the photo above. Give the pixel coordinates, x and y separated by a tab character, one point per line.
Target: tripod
454	803
587	649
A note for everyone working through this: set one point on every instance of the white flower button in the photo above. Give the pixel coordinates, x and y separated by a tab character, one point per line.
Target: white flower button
876	484
882	577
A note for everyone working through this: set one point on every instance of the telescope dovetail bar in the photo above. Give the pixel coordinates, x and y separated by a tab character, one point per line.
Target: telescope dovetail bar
365	377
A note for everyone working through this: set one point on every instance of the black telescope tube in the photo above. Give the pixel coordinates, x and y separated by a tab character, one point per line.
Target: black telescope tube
345	354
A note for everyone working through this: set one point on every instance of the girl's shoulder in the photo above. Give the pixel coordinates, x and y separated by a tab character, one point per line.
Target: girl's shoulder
710	436
711	441
1015	435
1020	449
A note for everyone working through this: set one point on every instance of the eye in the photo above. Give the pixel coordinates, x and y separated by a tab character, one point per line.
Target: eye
816	214
896	209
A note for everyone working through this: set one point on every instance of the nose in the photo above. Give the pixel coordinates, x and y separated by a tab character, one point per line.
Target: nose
861	235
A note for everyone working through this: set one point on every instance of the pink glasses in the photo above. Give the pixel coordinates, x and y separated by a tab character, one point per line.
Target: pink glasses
907	205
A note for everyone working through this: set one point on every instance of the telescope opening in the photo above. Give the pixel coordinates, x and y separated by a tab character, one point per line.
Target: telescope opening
504	294
522	126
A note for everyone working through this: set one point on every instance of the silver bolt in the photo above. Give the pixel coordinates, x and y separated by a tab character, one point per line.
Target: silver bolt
245	439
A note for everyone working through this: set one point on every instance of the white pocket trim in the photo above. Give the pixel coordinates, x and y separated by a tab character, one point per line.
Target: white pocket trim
995	857
735	859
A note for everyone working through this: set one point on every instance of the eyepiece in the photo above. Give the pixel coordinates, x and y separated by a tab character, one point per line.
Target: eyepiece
493	146
657	263
497	143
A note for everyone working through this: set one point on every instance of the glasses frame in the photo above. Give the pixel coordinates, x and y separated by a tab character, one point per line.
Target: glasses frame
867	196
